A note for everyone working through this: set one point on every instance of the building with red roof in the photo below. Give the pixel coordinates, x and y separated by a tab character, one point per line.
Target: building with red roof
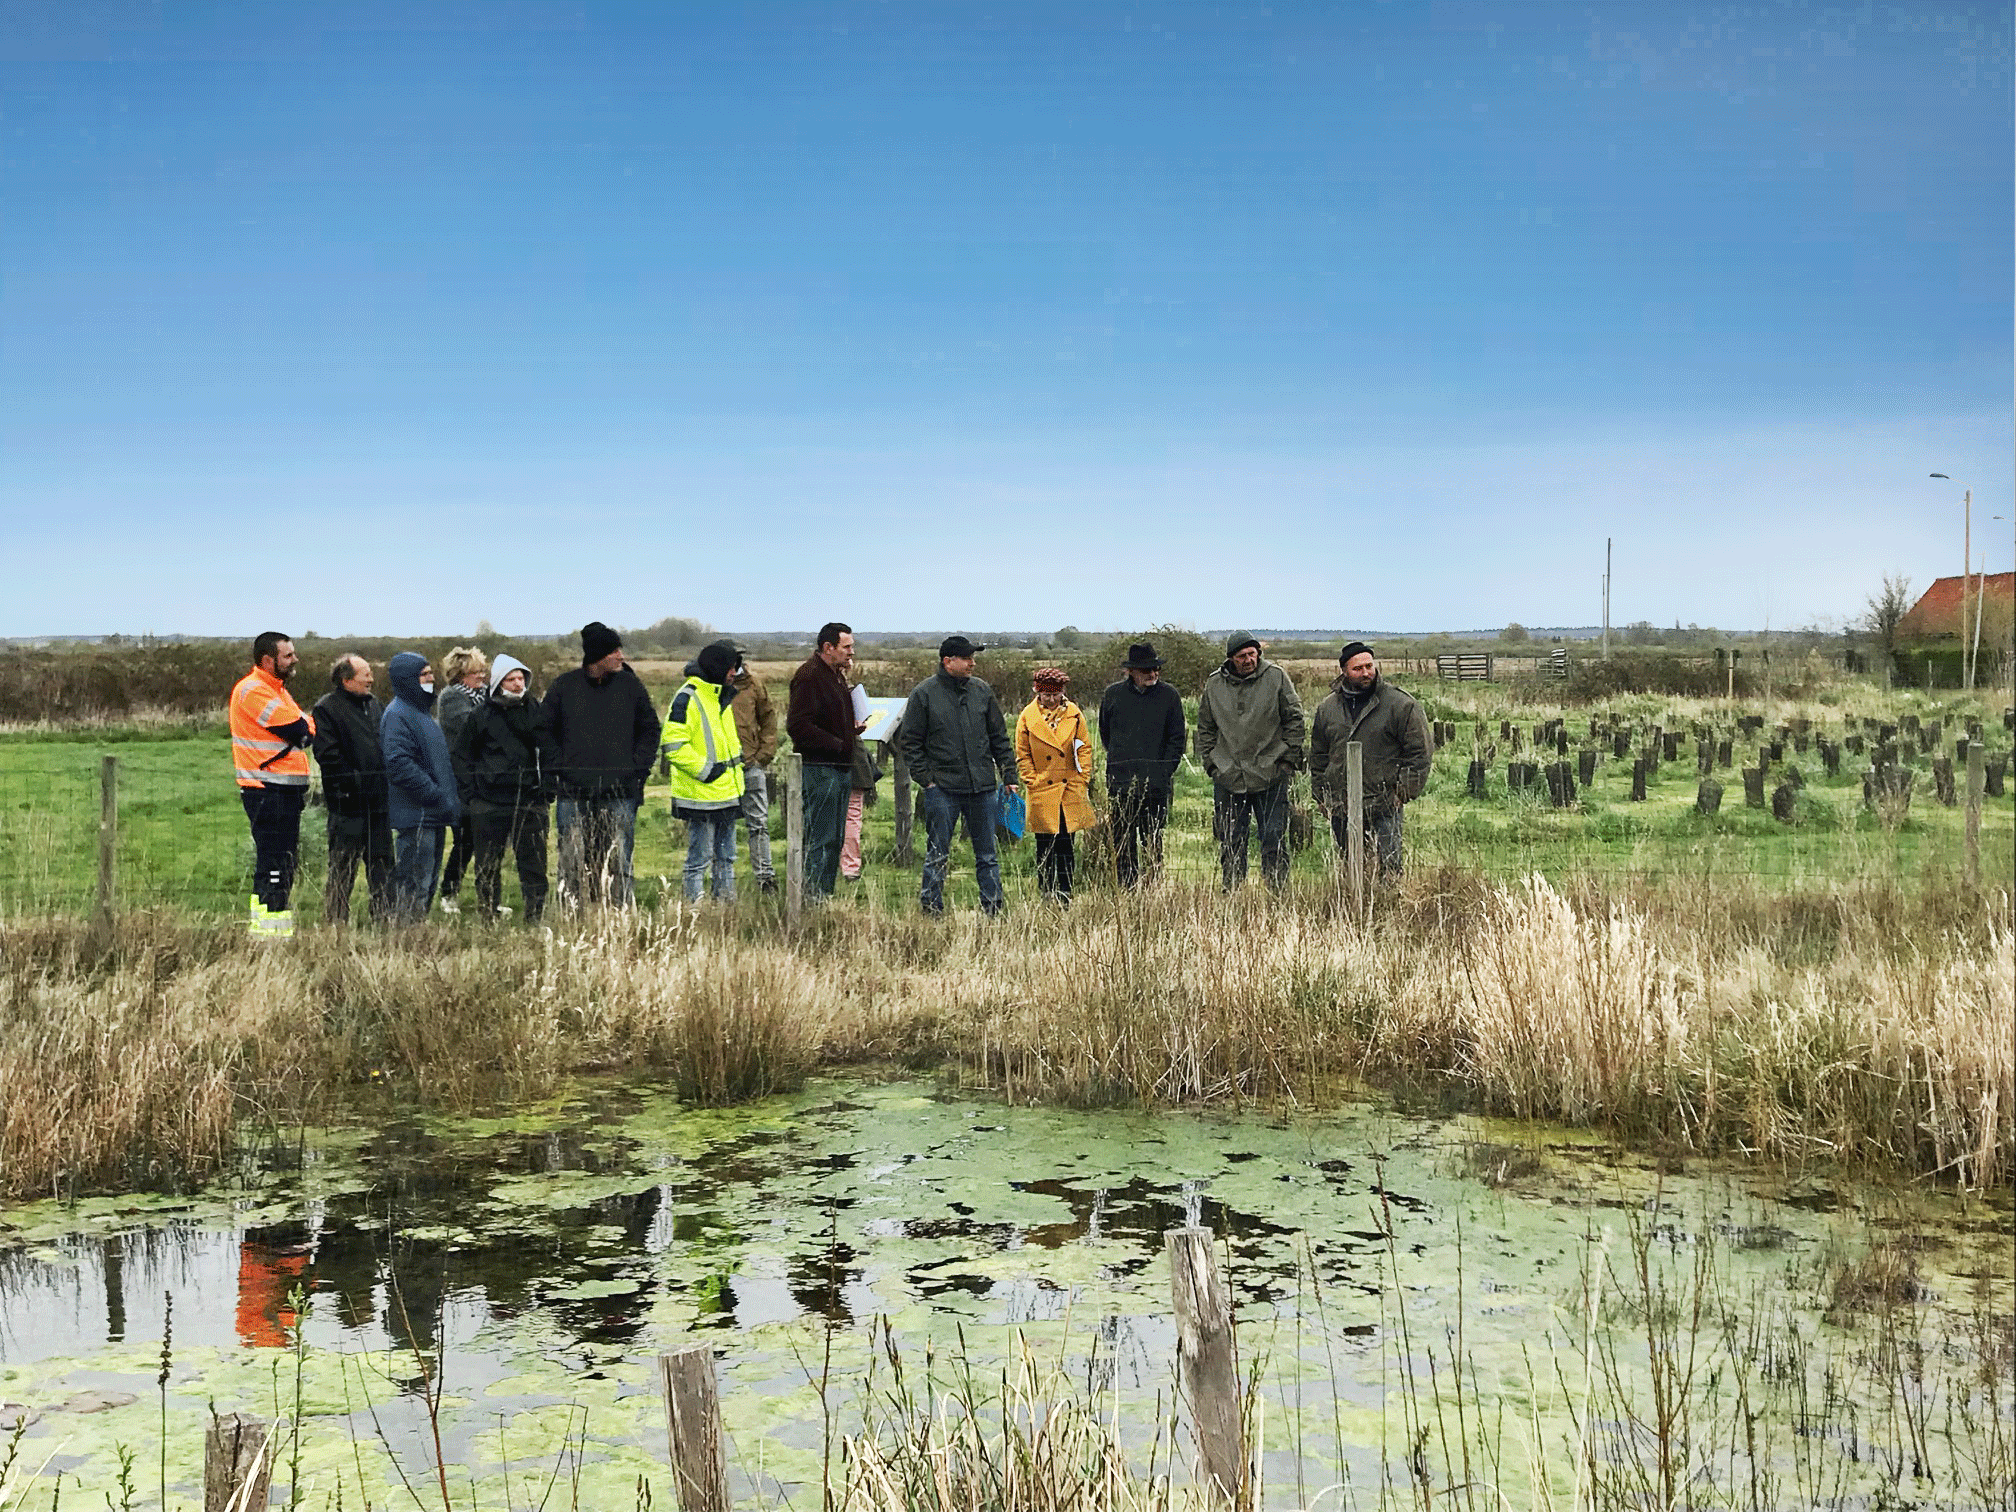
1936	615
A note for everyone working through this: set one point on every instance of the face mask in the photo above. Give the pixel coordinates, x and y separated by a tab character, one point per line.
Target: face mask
510	698
426	685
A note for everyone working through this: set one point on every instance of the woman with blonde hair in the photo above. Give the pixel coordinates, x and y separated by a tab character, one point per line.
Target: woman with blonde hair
465	678
1053	748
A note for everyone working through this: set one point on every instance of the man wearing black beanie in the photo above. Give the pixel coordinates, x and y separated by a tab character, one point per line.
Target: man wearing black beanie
1392	733
607	734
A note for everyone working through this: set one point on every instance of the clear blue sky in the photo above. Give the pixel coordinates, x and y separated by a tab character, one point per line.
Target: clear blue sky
392	317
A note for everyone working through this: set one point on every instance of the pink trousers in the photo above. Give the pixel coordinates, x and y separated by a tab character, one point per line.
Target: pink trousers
850	847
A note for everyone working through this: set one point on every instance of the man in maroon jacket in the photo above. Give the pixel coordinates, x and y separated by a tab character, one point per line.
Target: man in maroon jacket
820	721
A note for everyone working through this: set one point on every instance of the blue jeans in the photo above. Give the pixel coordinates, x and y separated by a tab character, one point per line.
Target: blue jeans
942	812
416	867
1382	840
710	838
596	836
825	802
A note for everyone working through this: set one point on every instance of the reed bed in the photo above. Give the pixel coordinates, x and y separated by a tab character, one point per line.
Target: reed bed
1867	1023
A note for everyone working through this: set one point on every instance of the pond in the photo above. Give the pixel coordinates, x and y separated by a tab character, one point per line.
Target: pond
862	1242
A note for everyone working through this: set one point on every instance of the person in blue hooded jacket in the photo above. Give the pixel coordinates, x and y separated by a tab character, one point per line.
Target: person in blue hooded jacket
424	799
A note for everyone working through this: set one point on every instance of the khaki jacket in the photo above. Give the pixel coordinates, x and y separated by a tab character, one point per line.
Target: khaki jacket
755	721
1056	768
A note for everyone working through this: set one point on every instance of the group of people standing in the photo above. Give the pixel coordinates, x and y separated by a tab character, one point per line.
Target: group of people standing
470	770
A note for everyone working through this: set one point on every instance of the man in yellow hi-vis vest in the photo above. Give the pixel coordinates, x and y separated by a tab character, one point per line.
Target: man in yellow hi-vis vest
269	749
705	750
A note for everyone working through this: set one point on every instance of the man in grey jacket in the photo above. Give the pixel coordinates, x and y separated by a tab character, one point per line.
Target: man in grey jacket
1396	753
955	740
1250	729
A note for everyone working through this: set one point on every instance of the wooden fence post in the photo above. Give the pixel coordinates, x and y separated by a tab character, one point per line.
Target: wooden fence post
794	836
1210	1362
1354	823
237	1469
905	815
108	845
1977	779
693	1425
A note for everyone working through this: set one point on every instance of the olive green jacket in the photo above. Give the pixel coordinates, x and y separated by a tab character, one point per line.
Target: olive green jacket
1250	729
1397	751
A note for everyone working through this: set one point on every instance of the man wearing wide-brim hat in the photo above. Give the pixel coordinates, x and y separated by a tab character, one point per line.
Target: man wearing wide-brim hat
955	740
1142	732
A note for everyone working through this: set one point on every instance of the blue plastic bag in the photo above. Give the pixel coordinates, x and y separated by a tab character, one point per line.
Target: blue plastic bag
1014	812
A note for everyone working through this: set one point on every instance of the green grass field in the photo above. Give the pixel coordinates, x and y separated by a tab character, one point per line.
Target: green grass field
183	840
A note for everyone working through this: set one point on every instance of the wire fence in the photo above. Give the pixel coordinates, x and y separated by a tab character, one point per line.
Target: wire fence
181	840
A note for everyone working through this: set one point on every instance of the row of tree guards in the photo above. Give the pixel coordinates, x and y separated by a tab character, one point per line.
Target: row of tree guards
1887	779
239	1449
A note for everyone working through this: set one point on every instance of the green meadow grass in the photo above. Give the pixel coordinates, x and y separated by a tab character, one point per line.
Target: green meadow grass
183	840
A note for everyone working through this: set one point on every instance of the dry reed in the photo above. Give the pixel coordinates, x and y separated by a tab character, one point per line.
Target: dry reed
1866	1024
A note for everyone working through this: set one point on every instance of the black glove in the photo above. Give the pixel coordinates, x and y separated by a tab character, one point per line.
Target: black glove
712	772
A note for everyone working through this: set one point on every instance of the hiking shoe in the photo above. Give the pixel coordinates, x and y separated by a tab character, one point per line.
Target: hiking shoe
450	906
503	910
767	886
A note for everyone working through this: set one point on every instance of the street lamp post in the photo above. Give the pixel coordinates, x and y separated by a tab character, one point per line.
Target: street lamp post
1966	566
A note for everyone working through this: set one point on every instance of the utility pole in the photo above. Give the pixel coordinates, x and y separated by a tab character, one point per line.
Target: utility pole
1606	598
1966	567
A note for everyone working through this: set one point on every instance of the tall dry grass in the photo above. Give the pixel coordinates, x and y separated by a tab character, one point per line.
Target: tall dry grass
1864	1023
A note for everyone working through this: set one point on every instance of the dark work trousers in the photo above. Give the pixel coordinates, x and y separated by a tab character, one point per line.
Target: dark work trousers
522	830
460	845
1140	810
275	813
1054	865
1234	814
354	839
1382	841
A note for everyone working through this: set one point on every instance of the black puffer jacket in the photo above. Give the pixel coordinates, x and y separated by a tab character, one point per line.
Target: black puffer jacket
346	748
507	755
955	737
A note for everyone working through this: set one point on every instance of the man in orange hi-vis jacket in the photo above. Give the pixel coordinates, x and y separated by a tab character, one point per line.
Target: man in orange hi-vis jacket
269	748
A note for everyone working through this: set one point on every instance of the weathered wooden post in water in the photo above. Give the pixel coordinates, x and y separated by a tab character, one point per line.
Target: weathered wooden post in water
693	1424
236	1466
794	835
1210	1362
108	846
1354	823
1977	780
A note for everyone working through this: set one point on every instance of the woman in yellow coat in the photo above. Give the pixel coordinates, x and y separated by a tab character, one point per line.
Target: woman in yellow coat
1054	750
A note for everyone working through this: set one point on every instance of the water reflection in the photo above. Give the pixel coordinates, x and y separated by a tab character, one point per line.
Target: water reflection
587	1244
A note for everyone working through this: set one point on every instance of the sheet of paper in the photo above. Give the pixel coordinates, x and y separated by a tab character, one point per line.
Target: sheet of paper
883	716
860	702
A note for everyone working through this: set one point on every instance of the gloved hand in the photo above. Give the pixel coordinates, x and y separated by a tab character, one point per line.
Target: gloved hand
712	772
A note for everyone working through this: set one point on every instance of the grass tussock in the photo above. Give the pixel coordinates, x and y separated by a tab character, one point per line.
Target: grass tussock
1869	1024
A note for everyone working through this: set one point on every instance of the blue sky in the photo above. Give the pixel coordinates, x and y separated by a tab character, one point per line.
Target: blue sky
390	318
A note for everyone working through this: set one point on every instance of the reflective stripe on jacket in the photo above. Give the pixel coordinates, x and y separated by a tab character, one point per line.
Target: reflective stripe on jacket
704	747
258	703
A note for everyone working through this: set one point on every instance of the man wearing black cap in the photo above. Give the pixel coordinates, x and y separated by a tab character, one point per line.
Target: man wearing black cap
955	740
607	734
1141	728
1397	753
1250	727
